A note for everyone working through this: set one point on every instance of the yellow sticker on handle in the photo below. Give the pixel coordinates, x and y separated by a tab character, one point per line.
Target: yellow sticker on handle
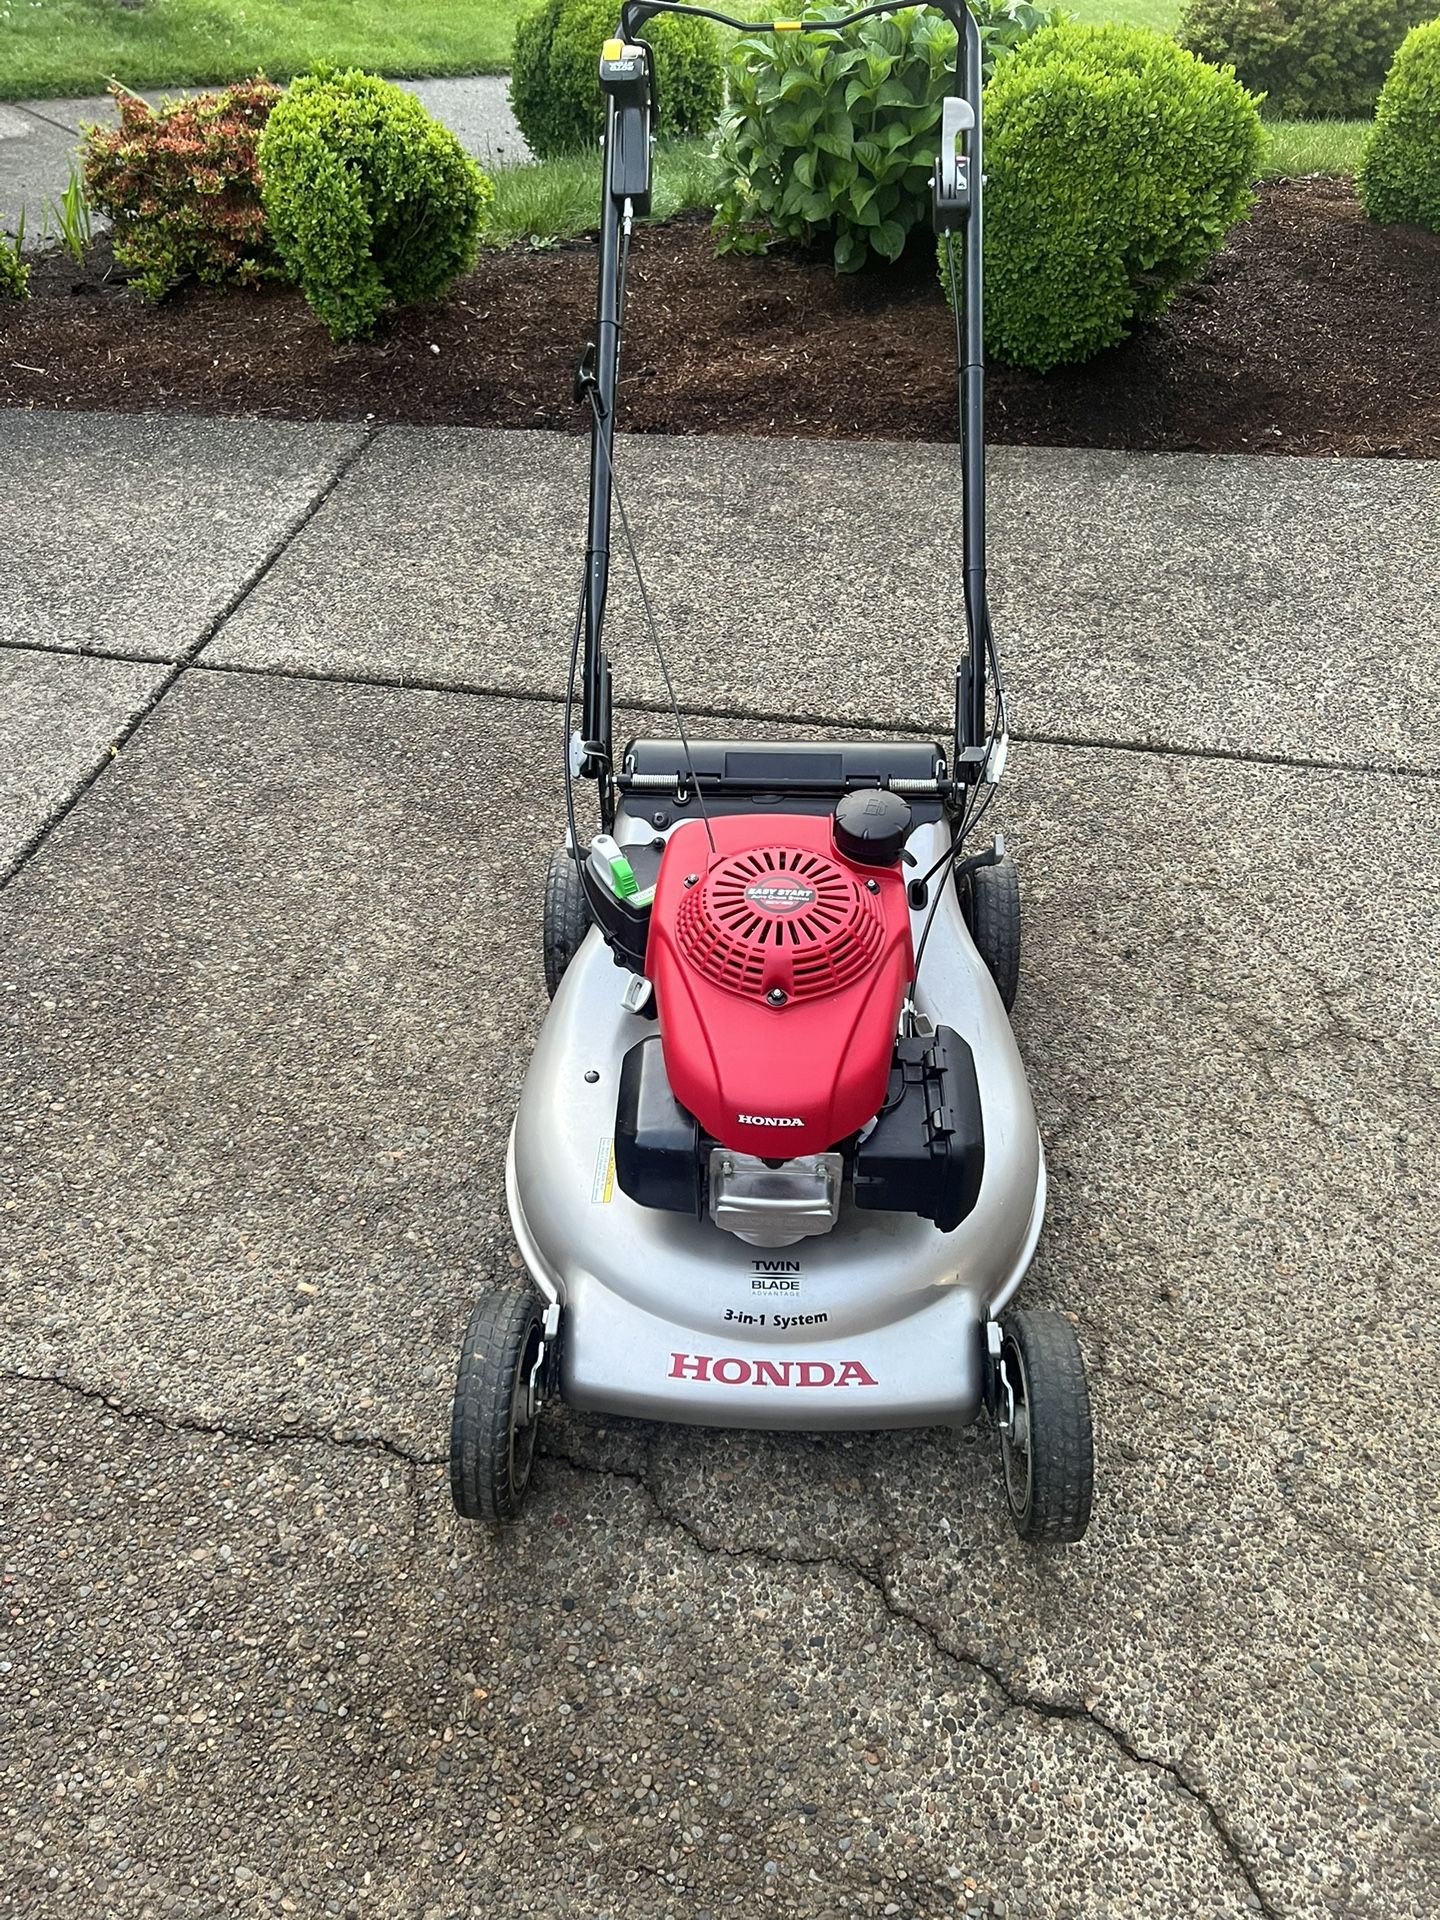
787	26
612	50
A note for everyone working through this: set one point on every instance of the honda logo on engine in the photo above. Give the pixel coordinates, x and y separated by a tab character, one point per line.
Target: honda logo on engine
732	1371
766	1120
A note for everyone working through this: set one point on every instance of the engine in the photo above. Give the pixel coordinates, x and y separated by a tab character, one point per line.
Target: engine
779	956
779	968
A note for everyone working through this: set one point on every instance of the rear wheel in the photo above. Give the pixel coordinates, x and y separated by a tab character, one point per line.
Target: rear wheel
1046	1444
497	1405
990	902
567	917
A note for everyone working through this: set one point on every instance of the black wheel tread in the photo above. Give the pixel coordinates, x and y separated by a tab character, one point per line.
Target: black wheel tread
495	1341
993	917
566	916
1061	1439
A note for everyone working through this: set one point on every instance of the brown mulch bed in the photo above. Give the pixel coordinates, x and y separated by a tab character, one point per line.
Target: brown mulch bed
1315	331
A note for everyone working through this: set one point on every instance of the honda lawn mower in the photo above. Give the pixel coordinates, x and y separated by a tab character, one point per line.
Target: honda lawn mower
775	1162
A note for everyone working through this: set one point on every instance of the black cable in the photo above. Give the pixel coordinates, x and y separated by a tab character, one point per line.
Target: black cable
570	713
614	485
974	809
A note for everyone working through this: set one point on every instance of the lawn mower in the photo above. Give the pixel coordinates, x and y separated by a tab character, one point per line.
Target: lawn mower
775	1162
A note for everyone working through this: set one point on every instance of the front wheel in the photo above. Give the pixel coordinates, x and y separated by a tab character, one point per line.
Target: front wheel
497	1405
566	916
990	902
1046	1444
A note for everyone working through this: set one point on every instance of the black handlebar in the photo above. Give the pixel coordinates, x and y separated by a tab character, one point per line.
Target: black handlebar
626	167
635	13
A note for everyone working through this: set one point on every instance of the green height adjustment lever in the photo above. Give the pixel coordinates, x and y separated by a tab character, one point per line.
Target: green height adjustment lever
614	871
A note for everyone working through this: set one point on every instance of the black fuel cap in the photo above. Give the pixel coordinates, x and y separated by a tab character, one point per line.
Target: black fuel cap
872	826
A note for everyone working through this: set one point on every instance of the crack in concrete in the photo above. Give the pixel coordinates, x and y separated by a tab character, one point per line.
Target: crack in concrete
878	1578
259	1437
876	1575
35	110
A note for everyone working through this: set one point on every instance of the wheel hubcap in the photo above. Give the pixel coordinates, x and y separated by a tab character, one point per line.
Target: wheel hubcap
1015	1433
525	1407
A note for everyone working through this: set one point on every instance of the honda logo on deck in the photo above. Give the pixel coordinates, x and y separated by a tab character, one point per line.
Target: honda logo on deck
732	1371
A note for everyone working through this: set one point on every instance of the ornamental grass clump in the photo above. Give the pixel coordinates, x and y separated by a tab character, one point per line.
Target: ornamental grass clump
1399	178
555	74
182	187
14	268
371	203
833	136
1116	165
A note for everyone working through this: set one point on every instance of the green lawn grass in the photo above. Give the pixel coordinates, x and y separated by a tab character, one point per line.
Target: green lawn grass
553	199
74	46
1162	15
1313	146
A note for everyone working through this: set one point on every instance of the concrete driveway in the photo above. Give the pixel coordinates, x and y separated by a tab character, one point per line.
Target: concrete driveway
278	749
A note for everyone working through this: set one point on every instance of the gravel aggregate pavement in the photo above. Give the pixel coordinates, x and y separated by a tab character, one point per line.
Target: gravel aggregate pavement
59	717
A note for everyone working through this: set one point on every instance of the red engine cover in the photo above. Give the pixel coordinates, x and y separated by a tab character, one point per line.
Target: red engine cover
778	972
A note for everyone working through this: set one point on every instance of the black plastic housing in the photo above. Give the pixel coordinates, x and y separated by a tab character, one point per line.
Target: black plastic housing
926	1152
631	175
777	776
657	1143
626	928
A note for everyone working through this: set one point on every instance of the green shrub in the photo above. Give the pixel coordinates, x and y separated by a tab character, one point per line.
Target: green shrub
1399	176
555	73
14	270
182	186
370	201
835	135
1116	165
1320	59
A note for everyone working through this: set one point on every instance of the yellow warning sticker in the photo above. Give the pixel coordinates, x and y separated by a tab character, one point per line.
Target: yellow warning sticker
602	1187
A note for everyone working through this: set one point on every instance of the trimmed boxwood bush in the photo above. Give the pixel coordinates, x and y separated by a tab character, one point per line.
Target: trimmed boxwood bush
555	73
182	186
1311	59
834	136
1116	165
1399	176
370	201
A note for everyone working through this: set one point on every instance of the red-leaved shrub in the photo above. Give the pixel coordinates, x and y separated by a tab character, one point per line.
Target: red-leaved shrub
182	186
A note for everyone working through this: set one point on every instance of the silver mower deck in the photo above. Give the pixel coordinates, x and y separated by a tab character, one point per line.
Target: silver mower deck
878	1323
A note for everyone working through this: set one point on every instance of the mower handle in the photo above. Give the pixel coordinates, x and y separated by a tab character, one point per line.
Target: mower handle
635	13
958	193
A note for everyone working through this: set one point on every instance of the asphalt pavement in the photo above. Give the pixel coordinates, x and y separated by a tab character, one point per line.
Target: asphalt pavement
279	747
